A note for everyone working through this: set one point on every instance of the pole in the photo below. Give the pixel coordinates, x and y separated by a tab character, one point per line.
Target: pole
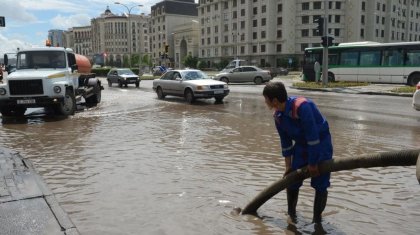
325	49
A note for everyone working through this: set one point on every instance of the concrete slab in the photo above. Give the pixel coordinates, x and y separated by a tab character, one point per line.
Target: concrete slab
27	205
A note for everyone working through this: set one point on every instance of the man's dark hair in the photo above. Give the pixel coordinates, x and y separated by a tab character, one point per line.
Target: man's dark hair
275	90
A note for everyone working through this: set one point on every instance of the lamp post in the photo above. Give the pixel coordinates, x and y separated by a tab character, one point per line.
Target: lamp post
129	28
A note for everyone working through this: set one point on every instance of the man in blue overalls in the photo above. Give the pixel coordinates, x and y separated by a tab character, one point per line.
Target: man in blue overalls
305	140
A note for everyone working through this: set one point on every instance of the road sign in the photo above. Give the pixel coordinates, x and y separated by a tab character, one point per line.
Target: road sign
2	21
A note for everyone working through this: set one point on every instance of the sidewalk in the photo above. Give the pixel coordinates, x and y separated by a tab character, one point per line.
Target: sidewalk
27	206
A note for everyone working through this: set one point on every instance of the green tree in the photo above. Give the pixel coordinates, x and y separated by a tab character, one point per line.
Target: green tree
125	61
190	61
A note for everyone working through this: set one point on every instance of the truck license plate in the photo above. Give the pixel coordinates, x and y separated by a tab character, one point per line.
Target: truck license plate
218	92
27	101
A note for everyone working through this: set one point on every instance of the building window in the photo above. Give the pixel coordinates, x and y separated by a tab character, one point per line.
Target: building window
362	33
263	22
303	46
242	12
242	50
279	20
263	9
337	19
255	23
278	48
262	48
305	19
337	32
338	5
305	6
280	8
254	35
279	34
317	5
255	10
262	34
254	49
363	6
305	33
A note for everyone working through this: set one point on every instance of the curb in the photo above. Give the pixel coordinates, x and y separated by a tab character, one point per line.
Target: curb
357	92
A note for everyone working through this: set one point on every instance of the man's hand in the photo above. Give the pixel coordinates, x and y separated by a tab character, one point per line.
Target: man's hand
313	170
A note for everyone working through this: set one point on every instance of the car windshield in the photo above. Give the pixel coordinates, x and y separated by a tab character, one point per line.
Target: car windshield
194	75
125	72
41	59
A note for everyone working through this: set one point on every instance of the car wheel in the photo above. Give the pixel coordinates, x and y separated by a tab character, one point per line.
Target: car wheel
258	80
219	99
413	79
189	96
160	93
137	84
120	84
109	83
224	79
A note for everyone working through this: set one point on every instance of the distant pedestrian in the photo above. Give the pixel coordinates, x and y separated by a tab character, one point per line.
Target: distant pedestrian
317	69
305	141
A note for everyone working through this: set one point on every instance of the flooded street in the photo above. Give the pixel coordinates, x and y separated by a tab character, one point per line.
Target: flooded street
139	165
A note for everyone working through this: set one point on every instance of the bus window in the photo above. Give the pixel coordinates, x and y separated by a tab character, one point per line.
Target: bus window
349	58
392	58
333	58
413	58
370	58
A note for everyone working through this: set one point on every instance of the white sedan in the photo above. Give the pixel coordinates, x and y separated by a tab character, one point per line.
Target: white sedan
191	84
416	98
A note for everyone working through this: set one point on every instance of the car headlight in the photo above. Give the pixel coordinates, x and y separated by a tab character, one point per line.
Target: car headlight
2	91
225	86
57	89
200	88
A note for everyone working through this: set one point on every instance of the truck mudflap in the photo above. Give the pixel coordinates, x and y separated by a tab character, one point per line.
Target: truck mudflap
41	101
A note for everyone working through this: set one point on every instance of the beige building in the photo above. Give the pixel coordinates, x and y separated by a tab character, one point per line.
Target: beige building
82	38
269	32
174	28
116	37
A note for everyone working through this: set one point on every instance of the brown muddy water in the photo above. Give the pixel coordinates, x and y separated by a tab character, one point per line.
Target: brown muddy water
138	165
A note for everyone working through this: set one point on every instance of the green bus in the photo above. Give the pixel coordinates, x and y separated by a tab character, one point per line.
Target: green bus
371	62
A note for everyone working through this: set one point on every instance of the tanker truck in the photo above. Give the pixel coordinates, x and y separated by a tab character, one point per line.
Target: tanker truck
49	77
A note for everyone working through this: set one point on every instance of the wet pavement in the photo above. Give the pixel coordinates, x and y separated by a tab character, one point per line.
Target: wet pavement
139	165
27	206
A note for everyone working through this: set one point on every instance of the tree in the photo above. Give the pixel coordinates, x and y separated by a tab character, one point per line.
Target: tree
190	61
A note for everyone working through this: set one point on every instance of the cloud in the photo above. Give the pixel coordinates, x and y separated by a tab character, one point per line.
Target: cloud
66	22
10	45
12	9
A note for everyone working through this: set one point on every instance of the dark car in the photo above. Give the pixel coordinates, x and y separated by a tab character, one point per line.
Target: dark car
122	76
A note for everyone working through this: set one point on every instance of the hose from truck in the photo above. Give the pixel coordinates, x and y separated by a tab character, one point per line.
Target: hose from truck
394	158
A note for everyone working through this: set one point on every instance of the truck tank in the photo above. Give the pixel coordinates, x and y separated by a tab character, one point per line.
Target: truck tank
83	64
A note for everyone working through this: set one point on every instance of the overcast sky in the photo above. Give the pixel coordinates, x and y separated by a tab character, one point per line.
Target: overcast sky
28	21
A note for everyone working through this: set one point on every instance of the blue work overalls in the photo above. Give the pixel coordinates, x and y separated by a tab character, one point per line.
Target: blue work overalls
305	136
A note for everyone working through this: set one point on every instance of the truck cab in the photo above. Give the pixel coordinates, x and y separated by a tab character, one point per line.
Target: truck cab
47	77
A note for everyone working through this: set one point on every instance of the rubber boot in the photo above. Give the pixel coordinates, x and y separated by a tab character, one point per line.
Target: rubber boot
292	198
319	205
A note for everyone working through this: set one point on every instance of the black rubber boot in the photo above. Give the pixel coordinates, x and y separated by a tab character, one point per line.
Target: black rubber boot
319	205
292	198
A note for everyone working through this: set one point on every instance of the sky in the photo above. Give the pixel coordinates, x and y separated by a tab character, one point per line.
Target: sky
28	21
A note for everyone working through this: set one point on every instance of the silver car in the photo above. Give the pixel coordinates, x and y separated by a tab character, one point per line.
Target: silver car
123	77
244	74
191	84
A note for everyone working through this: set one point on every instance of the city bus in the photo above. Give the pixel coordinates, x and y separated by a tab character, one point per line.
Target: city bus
371	62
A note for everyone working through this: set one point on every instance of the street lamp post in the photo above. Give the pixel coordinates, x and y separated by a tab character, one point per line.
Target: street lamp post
130	41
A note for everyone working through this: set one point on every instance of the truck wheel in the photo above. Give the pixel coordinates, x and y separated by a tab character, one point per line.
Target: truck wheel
109	83
120	84
68	106
95	98
137	83
13	112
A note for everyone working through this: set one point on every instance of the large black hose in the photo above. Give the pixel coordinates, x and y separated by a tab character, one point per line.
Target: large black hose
395	158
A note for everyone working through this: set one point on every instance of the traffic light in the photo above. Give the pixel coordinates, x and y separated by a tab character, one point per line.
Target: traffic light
166	48
327	41
320	27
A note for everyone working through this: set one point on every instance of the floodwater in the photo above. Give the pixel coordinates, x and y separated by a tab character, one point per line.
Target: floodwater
138	165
